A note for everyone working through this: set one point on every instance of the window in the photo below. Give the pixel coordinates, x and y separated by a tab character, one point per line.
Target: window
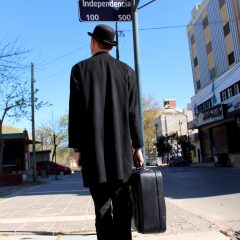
221	3
195	61
213	73
209	47
199	108
192	39
208	104
198	84
231	58
230	91
226	29
205	105
236	88
224	95
205	22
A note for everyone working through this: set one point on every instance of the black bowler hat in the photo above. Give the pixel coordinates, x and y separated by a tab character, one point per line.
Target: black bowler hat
104	34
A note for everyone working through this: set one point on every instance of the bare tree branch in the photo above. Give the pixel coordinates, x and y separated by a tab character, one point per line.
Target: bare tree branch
15	95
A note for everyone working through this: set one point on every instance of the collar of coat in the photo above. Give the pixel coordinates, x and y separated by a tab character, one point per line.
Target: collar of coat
100	52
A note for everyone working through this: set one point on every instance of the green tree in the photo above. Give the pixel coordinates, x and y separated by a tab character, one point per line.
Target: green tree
167	145
186	147
163	146
151	109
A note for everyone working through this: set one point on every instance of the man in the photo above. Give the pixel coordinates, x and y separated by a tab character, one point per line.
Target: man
104	126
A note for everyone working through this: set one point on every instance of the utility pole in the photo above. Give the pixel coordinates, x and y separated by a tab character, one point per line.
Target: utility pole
180	124
55	154
117	47
33	125
186	116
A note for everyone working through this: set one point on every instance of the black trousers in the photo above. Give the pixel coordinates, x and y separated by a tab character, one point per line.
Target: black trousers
113	211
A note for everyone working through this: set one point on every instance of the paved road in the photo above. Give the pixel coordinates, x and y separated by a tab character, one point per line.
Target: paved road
197	199
211	193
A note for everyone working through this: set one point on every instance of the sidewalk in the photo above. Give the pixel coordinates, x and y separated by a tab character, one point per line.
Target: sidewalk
188	236
63	210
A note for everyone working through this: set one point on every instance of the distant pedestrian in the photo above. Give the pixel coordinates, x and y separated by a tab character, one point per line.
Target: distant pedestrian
105	131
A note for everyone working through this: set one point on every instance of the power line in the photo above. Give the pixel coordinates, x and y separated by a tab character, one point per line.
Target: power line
61	71
223	78
182	25
121	32
140	29
57	73
62	56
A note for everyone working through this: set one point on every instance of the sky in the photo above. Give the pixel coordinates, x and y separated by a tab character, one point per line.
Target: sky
56	40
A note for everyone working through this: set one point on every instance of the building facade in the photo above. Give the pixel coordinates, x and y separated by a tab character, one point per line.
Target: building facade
175	121
214	43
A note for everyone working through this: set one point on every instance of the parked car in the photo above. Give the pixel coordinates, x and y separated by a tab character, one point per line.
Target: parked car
222	160
177	161
52	168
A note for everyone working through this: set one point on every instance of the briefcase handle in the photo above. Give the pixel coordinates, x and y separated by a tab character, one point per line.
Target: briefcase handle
140	168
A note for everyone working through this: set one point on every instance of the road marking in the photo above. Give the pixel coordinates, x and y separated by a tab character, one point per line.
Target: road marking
58	191
65	182
47	219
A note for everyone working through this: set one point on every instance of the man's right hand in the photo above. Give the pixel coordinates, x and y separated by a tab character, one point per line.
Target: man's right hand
138	157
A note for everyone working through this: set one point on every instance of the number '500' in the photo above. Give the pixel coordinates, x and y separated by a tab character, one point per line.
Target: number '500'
126	17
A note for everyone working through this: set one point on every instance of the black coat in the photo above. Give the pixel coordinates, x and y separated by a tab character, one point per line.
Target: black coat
104	119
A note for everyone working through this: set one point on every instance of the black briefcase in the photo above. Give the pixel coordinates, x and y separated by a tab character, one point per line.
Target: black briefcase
149	209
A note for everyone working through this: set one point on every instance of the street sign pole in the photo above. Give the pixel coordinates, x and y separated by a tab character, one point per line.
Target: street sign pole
117	47
134	4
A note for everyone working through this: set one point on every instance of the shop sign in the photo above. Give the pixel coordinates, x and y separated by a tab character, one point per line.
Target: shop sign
193	124
213	114
233	106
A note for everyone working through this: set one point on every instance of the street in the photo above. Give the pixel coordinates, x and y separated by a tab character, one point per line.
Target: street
212	194
201	202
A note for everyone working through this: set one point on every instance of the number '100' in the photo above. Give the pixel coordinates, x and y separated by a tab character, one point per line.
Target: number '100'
92	17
